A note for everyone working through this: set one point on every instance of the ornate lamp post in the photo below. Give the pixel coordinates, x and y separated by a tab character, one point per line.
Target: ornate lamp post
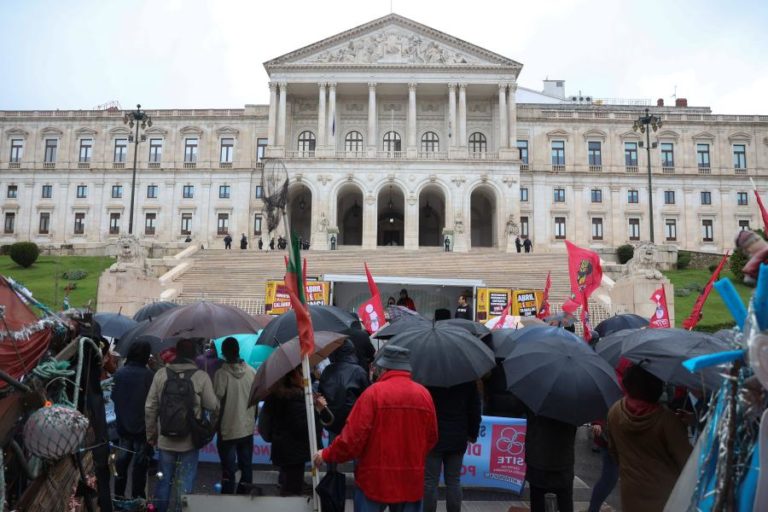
137	118
645	124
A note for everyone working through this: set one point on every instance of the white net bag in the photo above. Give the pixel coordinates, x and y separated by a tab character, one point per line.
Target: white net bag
53	432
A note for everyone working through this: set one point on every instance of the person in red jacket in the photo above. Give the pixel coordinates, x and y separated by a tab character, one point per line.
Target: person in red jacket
389	432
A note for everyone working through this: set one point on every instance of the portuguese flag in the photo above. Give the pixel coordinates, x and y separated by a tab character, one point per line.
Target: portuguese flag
294	281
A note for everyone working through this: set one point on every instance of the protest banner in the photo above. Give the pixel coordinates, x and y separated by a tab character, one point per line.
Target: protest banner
277	301
526	302
491	302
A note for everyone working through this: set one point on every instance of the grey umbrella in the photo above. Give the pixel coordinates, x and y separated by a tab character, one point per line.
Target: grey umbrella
138	334
401	325
114	325
619	323
474	328
324	318
444	355
504	340
203	320
609	347
561	377
153	310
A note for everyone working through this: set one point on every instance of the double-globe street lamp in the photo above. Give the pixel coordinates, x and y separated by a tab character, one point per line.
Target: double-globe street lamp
645	124
137	118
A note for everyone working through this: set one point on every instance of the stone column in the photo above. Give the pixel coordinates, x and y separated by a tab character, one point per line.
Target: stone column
462	116
321	117
412	148
503	133
452	128
411	218
331	133
512	117
370	221
281	115
272	113
372	120
613	235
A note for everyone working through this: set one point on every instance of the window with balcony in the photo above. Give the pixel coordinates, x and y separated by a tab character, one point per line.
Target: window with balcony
702	155
524	226
630	154
597	228
524	194
222	224
114	223
224	191
669	197
559	195
257	224
634	229
739	156
44	226
10	223
670	230
522	148
594	154
558	153
742	198
307	142
46	192
186	223
478	143
121	151
261	149
82	191
707	230
633	196
560	228
190	150
227	151
392	142
430	142
149	223
13	192
744	225
667	154
79	228
152	191
51	148
86	151
259	192
706	198
155	151
17	150
353	142
117	191
188	192
596	195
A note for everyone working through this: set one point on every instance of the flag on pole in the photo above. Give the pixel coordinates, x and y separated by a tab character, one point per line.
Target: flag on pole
371	312
660	318
760	204
586	274
586	324
544	309
502	317
294	282
690	322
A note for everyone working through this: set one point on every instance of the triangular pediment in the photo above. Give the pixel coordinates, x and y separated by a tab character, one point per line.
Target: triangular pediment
392	41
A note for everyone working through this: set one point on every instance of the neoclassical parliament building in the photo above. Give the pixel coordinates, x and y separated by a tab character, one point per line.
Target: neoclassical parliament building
393	134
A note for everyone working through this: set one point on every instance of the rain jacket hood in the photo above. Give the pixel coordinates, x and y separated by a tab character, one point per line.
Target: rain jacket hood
232	385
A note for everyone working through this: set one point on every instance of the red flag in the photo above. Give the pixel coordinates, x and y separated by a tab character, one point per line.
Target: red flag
690	322
294	283
584	271
544	308
660	319
570	306
586	325
503	317
760	204
371	312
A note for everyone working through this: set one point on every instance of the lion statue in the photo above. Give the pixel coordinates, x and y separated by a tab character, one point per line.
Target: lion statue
130	255
643	264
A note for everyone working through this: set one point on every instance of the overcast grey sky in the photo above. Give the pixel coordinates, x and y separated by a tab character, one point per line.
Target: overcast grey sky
209	53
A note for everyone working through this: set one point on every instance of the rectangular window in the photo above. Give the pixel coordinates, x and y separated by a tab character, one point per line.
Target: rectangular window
17	150
151	191
121	150
79	223
188	192
558	152
707	230
51	145
596	195
560	228
224	192
706	198
634	229
742	198
522	148
594	153
117	191
743	225
82	191
10	223
633	196
86	150
155	151
44	227
47	192
222	224
13	192
186	223
149	223
227	150
739	156
114	223
524	229
559	195
261	149
702	155
523	194
670	230
257	224
669	197
667	154
630	154
259	191
597	228
190	150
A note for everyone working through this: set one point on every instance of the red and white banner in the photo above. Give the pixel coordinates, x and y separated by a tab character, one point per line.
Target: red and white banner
660	318
371	312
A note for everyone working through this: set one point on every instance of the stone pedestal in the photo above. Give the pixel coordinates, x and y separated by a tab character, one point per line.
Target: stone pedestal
127	291
632	294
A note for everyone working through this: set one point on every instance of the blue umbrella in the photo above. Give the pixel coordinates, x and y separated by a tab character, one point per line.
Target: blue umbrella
114	325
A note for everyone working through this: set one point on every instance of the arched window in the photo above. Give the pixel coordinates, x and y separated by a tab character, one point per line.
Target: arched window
477	143
353	141
430	142
392	142
307	141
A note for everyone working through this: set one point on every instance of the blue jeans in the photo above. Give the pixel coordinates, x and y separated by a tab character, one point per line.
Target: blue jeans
236	454
179	470
607	481
363	504
450	462
137	450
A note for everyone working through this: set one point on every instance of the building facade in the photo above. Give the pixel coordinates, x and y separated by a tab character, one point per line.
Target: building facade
393	134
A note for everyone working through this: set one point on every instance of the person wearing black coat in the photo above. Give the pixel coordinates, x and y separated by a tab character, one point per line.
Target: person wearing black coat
458	422
363	346
341	383
549	458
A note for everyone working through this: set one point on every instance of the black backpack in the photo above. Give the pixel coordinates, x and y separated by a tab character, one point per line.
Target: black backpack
177	403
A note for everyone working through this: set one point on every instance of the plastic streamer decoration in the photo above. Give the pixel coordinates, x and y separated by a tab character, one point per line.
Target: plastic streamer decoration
54	432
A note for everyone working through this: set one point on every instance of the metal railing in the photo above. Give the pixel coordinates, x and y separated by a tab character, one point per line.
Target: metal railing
668	170
83	165
705	170
225	165
558	168
740	171
595	168
118	165
49	165
631	169
391	155
190	165
154	165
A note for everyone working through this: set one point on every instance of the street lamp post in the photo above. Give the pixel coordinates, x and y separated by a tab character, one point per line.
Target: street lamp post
645	124
137	118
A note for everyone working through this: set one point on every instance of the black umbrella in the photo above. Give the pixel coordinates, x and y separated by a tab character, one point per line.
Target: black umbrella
619	323
114	325
401	325
332	490
153	310
561	377
138	334
324	318
203	320
474	328
610	347
444	355
504	340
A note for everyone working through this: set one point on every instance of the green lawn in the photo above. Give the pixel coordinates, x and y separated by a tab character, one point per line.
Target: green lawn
44	278
715	314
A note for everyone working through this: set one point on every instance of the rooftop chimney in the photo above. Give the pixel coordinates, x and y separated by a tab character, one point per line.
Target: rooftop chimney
681	102
555	88
660	102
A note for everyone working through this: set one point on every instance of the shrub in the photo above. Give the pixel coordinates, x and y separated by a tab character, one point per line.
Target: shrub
625	253
74	275
24	254
712	268
683	259
682	292
736	262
